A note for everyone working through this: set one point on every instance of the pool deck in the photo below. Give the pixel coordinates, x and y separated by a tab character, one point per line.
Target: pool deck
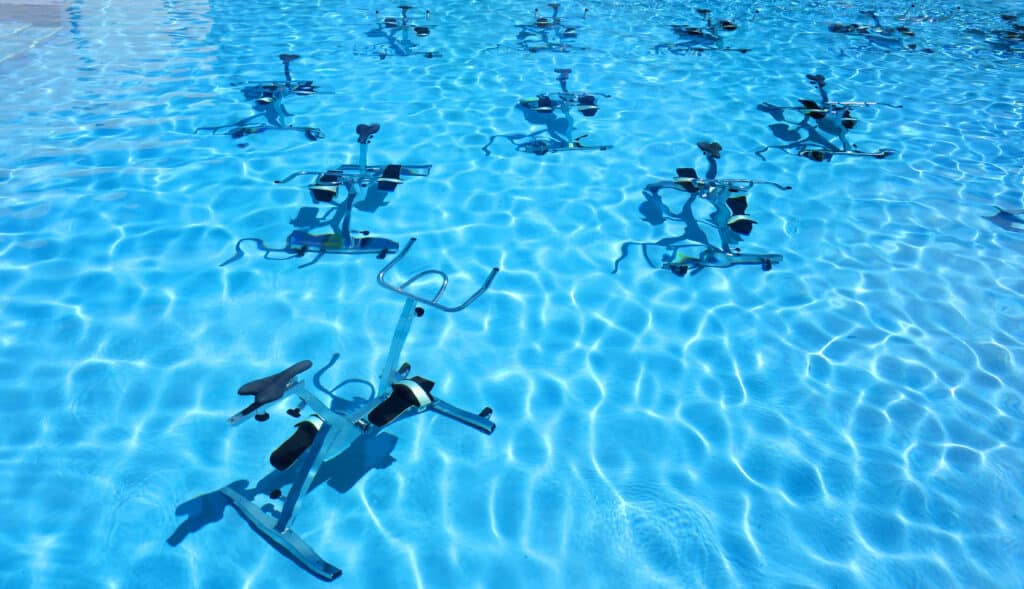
26	23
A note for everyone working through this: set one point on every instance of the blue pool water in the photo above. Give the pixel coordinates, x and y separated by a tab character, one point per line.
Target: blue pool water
852	418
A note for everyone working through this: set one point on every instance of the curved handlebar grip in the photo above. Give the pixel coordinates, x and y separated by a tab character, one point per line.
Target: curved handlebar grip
430	302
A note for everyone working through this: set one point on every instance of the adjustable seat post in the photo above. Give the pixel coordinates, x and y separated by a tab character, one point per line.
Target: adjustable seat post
563	79
389	374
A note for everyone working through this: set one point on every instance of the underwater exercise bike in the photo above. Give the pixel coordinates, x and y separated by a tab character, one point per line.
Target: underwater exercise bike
555	111
395	32
548	33
697	39
729	219
268	101
827	117
355	180
327	432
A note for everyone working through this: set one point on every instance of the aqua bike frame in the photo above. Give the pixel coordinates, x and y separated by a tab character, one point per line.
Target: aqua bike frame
700	39
268	99
712	257
840	113
543	29
404	46
564	101
879	34
338	430
354	179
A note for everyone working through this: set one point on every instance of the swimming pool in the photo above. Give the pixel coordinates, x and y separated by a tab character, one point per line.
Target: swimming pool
851	418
